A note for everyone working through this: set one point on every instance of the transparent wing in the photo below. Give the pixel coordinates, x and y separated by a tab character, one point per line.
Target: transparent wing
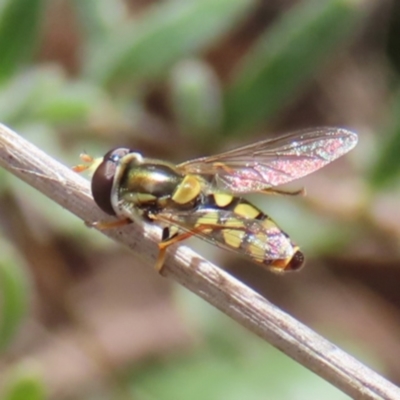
262	240
270	163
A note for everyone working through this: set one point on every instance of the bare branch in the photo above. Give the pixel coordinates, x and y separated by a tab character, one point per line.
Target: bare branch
200	276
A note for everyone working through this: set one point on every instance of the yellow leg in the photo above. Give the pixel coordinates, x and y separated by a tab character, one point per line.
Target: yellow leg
88	160
162	252
80	168
224	167
163	246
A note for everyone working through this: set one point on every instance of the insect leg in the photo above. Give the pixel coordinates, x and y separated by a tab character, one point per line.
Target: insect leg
88	160
162	246
223	166
301	192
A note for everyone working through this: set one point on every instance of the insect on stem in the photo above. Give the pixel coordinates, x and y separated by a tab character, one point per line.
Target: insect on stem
203	197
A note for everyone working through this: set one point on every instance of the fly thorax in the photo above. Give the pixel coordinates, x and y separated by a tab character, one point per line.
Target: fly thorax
148	185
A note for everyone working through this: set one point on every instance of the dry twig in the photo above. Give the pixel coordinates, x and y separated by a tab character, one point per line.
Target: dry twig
198	275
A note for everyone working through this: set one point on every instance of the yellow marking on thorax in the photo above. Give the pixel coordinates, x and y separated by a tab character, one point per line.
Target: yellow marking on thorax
187	191
246	210
222	199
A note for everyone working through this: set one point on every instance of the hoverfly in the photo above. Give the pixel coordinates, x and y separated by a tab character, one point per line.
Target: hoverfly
203	197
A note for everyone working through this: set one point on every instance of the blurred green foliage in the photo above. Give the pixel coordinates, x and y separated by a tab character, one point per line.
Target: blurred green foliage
19	34
121	56
196	99
148	47
286	57
24	383
166	47
231	365
13	294
386	170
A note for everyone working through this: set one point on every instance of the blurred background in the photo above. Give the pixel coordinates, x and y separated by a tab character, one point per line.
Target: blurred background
80	318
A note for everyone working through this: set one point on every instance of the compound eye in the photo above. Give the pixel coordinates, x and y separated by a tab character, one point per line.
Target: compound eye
103	178
116	154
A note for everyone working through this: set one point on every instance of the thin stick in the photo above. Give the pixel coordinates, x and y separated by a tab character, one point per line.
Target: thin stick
217	287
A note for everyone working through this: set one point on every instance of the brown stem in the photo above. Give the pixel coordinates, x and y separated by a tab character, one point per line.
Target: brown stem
217	287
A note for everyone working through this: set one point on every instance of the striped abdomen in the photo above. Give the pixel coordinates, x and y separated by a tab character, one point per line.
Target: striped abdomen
237	225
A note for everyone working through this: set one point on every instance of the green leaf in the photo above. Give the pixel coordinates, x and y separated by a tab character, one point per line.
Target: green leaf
99	18
387	167
45	94
27	91
145	48
13	294
26	383
19	31
196	99
286	57
72	103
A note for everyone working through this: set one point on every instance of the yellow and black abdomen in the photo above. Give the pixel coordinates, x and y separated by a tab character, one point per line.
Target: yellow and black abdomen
237	225
247	229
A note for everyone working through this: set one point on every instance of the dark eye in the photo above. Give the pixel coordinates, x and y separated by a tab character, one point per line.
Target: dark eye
102	180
